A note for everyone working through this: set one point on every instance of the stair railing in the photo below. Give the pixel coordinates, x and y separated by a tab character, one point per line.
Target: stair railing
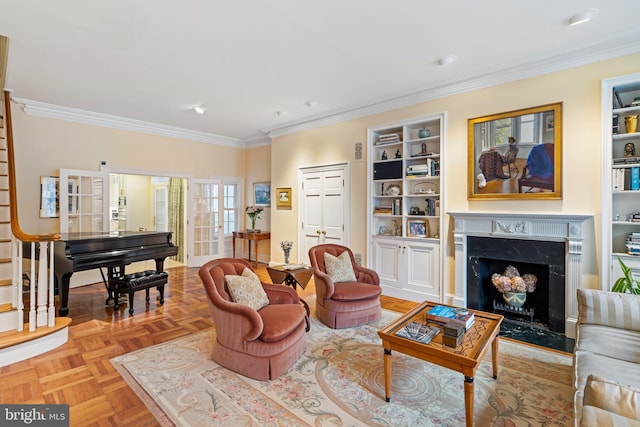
41	285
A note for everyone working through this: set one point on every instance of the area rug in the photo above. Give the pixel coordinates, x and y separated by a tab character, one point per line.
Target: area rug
339	381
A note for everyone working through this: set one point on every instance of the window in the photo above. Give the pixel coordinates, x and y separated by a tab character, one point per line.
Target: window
230	214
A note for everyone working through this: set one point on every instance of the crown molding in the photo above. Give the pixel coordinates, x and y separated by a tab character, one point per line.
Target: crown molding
43	109
572	59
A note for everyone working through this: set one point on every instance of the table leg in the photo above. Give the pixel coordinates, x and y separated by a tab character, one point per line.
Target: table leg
494	357
256	243
387	374
233	244
468	400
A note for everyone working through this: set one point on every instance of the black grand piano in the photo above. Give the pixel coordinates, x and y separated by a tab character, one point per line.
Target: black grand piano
113	250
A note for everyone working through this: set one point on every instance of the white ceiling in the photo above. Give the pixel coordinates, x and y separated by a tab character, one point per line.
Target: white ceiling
244	60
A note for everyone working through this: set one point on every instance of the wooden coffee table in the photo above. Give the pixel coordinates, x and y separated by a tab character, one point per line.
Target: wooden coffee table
464	359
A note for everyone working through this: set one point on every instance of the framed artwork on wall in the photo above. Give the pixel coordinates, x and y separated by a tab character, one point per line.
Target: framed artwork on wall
49	197
516	155
283	197
262	193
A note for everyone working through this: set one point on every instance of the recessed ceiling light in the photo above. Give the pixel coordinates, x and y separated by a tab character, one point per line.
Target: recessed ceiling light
446	60
581	17
312	103
281	113
199	109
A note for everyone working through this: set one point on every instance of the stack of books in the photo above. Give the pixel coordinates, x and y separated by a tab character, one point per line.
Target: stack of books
417	170
633	244
383	210
443	314
388	138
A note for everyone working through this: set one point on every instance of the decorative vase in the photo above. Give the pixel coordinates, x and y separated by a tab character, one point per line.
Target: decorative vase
424	133
631	123
514	299
287	252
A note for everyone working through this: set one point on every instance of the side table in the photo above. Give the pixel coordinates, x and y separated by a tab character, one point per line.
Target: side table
256	237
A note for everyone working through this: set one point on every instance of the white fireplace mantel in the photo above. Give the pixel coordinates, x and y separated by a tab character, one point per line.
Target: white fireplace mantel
519	225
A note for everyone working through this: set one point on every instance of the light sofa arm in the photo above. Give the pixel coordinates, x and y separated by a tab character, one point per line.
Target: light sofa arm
611	309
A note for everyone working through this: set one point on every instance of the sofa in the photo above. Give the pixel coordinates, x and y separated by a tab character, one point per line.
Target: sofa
606	362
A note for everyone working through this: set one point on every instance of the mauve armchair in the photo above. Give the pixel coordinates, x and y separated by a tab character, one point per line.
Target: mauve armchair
345	304
260	344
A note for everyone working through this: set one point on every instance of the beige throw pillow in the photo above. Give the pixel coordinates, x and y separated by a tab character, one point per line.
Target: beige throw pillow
612	396
339	268
247	289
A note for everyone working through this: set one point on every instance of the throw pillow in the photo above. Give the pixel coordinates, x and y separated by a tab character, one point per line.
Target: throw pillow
247	289
612	396
339	268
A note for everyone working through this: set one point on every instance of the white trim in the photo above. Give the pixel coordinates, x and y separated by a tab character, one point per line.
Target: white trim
43	109
29	349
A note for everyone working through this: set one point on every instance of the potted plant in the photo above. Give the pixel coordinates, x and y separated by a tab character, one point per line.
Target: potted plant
626	284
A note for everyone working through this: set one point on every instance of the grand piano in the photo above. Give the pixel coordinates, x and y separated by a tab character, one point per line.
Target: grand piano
113	250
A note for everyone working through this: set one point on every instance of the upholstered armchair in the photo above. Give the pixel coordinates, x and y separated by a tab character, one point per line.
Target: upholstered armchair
346	294
539	170
260	343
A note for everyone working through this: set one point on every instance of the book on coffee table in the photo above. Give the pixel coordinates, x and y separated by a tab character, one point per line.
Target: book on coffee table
418	332
443	314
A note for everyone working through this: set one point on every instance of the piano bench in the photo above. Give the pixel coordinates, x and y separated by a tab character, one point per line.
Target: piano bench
130	283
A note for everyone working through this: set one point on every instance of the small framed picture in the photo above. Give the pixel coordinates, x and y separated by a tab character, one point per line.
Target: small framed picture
262	193
418	229
283	197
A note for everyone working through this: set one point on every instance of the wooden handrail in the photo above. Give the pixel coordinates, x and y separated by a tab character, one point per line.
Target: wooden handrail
13	195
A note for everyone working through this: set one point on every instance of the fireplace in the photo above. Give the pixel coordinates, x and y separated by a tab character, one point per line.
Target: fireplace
545	307
547	245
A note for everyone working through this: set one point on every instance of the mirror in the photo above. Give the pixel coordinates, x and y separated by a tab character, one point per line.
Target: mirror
516	155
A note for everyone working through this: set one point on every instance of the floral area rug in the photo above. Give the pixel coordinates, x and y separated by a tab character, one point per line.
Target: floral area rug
339	381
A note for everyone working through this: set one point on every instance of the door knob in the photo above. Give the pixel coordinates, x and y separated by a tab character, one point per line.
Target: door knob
324	231
318	232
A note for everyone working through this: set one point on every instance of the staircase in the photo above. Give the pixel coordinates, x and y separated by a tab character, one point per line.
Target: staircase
23	333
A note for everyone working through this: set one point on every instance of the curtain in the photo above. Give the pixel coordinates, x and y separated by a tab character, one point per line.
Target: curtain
176	215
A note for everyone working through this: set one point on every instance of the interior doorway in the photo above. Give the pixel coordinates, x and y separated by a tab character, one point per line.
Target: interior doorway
149	203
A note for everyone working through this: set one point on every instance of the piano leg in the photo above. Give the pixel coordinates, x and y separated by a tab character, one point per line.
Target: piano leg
63	283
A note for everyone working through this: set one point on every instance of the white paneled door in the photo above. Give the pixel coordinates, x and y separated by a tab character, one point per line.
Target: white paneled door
206	233
323	207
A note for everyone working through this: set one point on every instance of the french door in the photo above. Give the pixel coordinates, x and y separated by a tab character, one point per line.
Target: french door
84	201
206	231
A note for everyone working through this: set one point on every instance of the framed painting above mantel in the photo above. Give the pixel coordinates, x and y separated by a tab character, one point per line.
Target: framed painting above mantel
517	154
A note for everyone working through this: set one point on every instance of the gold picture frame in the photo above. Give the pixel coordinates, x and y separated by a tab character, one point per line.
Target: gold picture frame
516	155
283	197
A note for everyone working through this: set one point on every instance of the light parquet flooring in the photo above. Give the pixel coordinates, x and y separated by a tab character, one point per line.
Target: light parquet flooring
79	373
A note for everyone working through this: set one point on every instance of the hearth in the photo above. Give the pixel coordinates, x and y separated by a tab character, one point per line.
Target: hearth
544	308
548	245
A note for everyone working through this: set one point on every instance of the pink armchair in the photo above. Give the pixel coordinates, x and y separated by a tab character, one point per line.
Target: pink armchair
260	344
344	304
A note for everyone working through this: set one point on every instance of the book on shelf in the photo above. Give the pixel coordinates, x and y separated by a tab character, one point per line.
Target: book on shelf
418	332
443	314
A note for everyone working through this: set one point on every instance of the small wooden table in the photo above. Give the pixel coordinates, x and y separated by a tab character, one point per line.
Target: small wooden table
464	359
256	237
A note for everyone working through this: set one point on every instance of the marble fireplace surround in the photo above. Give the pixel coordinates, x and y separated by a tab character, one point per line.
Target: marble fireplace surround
568	228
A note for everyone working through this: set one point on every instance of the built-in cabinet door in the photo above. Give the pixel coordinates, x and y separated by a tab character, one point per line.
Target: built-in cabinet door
422	269
386	257
84	201
206	231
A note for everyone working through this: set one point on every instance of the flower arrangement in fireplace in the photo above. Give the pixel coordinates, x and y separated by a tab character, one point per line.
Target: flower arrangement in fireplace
511	281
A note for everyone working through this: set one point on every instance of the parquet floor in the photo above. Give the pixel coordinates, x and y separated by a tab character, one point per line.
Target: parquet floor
79	373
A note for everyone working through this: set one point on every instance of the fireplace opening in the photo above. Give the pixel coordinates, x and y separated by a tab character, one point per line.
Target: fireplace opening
545	307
